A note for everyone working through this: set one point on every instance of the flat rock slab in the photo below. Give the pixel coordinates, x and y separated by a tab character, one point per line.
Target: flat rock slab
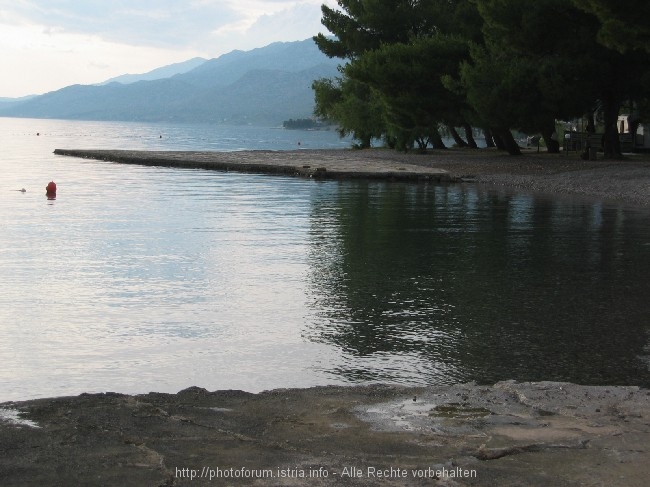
325	164
508	434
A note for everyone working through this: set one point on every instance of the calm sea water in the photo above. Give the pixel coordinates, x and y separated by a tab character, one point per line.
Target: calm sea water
140	279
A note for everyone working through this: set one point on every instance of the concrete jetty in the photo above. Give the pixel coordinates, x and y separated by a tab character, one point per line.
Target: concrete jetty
325	164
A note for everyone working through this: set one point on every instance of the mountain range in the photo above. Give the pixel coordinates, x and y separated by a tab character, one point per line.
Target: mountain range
159	73
261	86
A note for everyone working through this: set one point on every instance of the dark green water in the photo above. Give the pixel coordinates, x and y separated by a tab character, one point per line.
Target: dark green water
457	284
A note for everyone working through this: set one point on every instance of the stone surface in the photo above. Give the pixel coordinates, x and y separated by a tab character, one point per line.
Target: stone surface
330	164
509	434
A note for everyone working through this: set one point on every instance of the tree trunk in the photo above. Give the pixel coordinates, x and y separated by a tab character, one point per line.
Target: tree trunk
498	140
457	138
422	143
391	142
633	125
364	141
611	142
552	142
489	141
436	140
591	125
469	135
509	141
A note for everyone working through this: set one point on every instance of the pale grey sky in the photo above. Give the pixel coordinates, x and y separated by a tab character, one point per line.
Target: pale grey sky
46	45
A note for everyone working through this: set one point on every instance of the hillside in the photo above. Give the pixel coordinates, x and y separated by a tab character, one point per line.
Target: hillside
158	73
262	86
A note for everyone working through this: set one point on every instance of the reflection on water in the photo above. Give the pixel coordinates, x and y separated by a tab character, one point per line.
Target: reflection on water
442	284
138	278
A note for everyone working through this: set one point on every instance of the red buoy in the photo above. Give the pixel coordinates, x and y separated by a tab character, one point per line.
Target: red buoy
50	189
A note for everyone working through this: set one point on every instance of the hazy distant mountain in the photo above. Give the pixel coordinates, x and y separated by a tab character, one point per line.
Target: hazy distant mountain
265	86
284	56
158	73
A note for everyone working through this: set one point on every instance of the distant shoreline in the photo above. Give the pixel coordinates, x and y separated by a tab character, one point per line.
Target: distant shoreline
625	182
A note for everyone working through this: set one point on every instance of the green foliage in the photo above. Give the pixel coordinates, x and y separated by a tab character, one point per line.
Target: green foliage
398	52
355	108
303	124
543	62
505	64
625	26
364	25
536	64
418	103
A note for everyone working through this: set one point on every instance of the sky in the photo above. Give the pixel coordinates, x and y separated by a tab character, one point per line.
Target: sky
46	45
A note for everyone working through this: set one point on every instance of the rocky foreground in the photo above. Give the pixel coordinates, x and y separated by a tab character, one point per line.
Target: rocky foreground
508	434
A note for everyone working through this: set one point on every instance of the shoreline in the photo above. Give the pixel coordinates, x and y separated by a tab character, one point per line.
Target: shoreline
510	433
623	182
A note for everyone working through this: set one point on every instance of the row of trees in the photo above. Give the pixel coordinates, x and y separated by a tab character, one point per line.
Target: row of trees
412	66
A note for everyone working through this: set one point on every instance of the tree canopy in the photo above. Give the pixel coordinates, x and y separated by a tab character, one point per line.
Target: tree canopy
416	104
410	67
624	26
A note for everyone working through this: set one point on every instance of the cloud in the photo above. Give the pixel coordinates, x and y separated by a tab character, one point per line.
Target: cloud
289	22
154	23
39	60
303	19
169	23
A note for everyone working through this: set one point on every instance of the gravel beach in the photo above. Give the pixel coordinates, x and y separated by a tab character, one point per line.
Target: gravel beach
624	181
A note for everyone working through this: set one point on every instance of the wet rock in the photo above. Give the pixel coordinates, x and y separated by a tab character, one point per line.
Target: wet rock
545	434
